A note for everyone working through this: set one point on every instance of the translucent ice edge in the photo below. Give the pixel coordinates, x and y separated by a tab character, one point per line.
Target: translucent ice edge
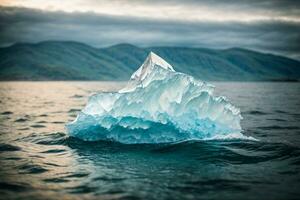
158	105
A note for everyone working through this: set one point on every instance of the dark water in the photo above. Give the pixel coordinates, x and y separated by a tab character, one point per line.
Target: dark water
39	161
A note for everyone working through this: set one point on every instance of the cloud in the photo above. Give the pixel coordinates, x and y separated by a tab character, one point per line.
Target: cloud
188	10
33	25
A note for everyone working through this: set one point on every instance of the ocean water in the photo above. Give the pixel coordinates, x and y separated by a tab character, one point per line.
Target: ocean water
39	161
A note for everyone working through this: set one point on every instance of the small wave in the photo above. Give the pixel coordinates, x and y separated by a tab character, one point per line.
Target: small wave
8	147
280	112
76	96
54	151
74	110
32	169
221	152
220	184
57	122
108	179
256	112
37	126
41	122
15	187
51	139
55	180
232	136
82	189
7	113
23	129
279	127
21	120
278	120
56	138
77	175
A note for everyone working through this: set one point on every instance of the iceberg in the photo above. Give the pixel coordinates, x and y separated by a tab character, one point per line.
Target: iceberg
158	105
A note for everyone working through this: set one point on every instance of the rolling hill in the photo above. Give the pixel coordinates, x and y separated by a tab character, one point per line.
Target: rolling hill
53	60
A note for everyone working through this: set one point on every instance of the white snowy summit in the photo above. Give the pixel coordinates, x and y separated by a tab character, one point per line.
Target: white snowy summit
152	63
158	105
148	66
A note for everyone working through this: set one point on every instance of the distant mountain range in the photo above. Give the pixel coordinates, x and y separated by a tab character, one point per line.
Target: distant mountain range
76	61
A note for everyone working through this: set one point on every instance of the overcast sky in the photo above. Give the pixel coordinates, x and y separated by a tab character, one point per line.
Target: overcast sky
264	25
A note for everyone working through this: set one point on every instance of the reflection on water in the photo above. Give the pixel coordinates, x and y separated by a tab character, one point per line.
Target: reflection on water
39	161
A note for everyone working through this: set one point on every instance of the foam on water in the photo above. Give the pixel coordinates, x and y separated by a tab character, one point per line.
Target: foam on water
158	105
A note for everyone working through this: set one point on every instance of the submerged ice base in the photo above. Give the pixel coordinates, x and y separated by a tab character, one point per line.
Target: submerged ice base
158	105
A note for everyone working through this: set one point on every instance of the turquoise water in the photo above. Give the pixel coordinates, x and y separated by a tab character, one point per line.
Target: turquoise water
39	161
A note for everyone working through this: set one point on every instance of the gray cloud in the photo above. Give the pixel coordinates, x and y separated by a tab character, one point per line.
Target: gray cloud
265	7
279	6
30	25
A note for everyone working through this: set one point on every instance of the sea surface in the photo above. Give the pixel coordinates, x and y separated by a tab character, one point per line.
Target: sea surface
39	161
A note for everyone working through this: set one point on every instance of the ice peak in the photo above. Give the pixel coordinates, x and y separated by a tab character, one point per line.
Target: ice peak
155	59
149	64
